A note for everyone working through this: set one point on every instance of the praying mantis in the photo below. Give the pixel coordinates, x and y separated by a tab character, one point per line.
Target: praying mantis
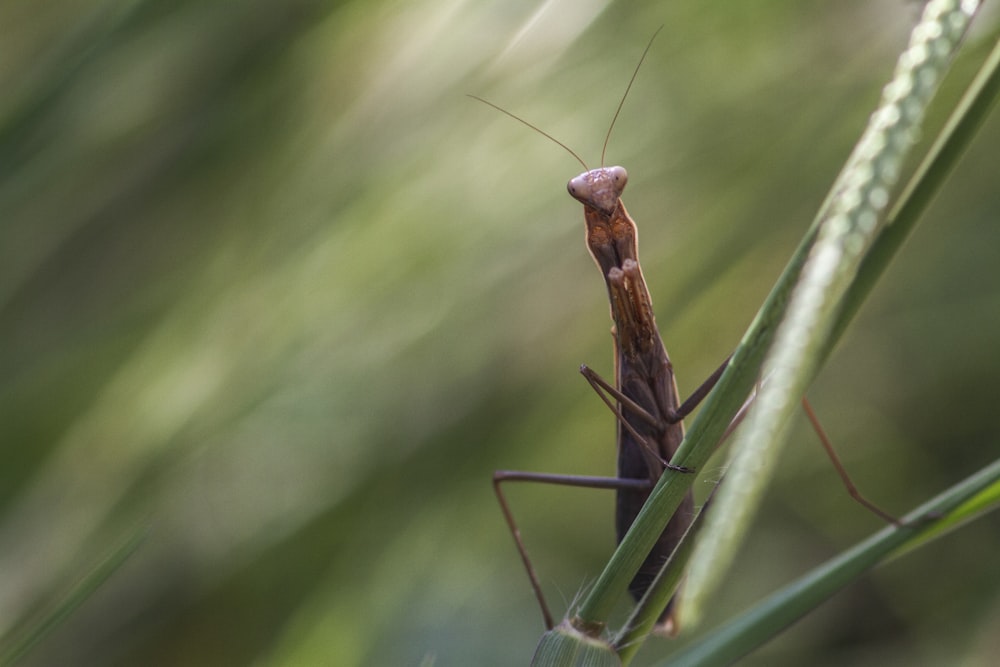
644	396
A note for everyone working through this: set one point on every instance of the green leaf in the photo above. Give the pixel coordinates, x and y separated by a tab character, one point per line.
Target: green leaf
758	625
565	646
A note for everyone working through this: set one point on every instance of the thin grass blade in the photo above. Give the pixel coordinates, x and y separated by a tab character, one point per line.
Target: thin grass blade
848	227
758	625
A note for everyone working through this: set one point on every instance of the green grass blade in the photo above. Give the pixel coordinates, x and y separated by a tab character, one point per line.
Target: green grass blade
564	646
629	639
758	625
944	154
847	230
27	634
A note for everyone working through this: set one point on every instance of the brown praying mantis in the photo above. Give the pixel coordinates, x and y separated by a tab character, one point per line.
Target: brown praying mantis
644	396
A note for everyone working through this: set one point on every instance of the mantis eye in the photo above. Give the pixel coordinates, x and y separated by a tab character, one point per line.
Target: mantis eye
619	176
580	187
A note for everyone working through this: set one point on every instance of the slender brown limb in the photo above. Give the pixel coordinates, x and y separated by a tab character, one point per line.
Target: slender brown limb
740	416
602	389
673	416
499	476
699	394
841	470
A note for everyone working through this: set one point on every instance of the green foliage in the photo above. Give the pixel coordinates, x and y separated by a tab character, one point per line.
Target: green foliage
564	645
794	326
273	286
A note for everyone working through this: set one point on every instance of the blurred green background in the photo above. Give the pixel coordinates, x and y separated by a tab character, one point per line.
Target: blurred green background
273	289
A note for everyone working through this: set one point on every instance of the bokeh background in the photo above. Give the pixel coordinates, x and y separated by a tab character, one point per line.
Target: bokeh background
275	291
